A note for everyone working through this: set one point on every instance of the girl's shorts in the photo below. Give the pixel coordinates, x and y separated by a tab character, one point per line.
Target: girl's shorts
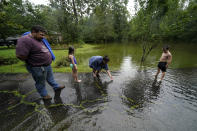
71	66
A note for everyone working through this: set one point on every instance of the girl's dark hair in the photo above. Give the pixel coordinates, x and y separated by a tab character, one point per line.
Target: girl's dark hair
166	47
106	58
37	28
71	50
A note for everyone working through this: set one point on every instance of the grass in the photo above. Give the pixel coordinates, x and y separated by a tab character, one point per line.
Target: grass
116	53
20	66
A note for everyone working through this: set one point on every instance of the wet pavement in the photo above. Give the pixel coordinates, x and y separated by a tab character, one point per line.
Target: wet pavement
133	101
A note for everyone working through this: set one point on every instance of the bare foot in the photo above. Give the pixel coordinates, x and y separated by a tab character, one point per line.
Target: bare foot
159	81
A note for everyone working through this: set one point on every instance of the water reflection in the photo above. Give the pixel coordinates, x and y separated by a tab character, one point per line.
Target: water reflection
92	89
138	85
176	95
57	110
57	98
155	88
140	89
183	85
78	93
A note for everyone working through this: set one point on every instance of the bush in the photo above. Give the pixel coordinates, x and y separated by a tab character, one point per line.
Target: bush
8	61
63	62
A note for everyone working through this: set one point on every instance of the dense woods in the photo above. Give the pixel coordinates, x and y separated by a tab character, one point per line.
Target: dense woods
102	21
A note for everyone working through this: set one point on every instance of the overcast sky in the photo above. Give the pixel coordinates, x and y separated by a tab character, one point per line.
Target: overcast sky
130	5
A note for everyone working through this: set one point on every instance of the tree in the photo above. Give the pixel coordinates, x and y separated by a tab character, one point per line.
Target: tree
18	16
10	14
165	19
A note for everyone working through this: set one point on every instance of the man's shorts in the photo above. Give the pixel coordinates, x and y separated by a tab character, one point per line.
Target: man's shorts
162	66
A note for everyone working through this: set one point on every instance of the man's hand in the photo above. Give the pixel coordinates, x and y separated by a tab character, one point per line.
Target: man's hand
94	75
109	74
166	65
23	58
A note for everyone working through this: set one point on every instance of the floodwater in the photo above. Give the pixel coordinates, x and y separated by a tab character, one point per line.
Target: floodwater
184	55
133	101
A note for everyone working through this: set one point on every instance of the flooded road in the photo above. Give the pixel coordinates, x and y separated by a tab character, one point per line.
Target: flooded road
133	101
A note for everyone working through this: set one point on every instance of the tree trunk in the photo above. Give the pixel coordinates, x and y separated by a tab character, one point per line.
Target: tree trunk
75	12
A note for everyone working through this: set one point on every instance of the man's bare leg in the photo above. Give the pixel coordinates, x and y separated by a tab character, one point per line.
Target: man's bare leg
158	71
162	76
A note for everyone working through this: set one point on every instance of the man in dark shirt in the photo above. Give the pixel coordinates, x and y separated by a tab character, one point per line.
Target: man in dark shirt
38	58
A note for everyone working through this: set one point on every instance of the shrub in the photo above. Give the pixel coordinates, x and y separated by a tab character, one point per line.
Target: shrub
63	62
8	61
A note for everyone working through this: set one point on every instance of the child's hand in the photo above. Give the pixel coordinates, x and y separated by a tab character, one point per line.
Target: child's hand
75	67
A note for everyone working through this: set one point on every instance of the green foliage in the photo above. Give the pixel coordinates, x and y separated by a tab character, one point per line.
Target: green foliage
18	16
91	21
165	20
9	17
62	62
8	61
7	56
104	21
